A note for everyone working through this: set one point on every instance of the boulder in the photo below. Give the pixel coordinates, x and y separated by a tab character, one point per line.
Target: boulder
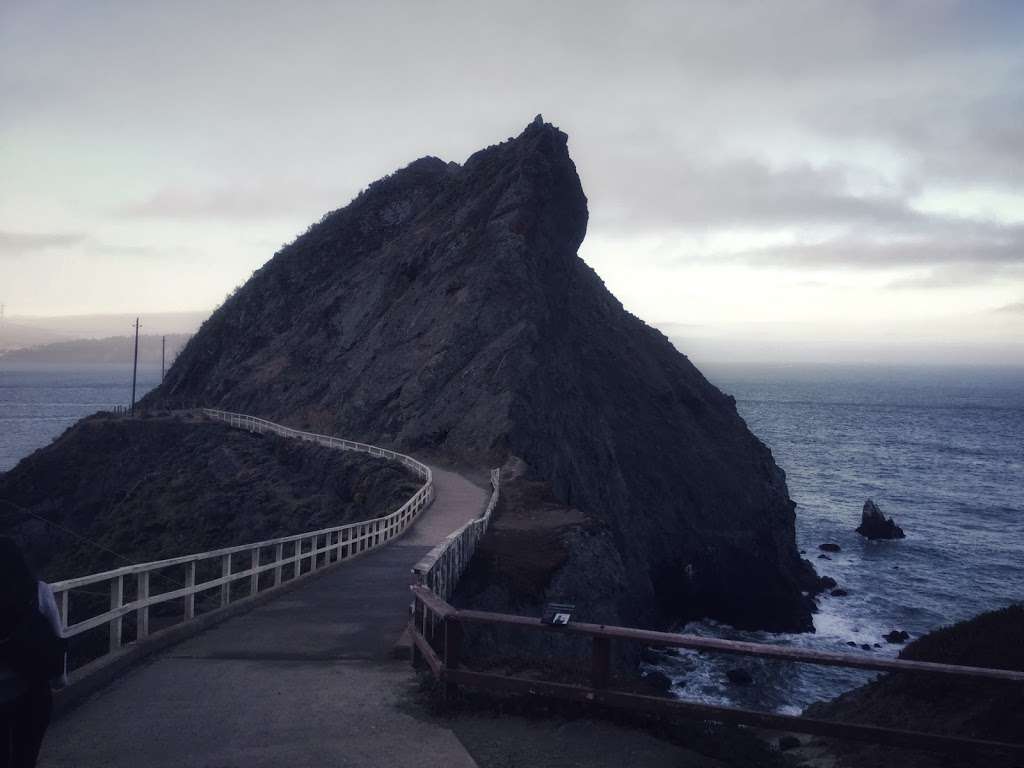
897	637
827	582
829	547
824	557
839	593
875	525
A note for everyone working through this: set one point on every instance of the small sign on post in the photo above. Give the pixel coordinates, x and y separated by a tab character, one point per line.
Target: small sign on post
557	613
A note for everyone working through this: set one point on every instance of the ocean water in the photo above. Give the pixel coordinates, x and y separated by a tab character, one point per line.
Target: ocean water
939	449
38	401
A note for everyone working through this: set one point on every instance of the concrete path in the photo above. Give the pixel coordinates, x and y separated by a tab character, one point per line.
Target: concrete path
307	679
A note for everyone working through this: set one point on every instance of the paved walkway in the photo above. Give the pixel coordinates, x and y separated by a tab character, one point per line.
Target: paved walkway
307	679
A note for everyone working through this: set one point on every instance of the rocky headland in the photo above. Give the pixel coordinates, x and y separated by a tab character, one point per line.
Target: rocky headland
445	312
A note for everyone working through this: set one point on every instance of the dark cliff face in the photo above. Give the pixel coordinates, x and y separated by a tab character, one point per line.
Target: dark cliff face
445	312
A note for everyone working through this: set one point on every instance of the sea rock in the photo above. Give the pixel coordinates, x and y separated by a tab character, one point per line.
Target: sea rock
824	557
445	313
839	593
875	525
829	547
897	637
826	582
739	676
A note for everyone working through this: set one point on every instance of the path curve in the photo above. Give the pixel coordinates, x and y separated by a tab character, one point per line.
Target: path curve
307	679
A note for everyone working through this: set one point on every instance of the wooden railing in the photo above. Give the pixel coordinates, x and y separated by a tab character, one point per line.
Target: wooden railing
441	568
249	568
437	632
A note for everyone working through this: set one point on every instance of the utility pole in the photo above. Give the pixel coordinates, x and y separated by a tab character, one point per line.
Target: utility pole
135	364
163	356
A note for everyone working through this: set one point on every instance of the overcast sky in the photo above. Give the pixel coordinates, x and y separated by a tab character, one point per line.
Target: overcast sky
840	181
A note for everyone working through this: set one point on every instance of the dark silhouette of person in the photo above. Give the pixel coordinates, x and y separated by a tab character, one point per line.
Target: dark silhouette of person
29	623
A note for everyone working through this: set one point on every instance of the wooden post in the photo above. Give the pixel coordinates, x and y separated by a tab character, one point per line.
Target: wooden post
278	557
600	662
190	598
116	601
225	571
414	627
452	651
142	615
254	580
64	610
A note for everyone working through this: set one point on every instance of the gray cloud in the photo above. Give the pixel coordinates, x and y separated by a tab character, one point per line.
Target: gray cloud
1012	309
951	253
245	200
15	245
823	120
682	192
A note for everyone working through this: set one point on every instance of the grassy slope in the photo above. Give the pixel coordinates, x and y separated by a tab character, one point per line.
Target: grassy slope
165	486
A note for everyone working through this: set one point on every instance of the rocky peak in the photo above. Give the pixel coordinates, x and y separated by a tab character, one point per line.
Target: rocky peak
446	312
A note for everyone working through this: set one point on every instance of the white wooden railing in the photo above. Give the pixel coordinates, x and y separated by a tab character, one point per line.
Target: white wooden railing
288	558
442	567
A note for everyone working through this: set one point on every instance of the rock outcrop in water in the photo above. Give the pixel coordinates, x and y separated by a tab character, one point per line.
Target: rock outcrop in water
445	312
875	525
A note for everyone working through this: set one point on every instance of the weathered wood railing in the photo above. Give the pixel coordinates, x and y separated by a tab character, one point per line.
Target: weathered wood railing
249	569
441	568
437	631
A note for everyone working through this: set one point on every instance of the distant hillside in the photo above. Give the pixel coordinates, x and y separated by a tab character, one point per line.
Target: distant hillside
17	335
115	349
102	326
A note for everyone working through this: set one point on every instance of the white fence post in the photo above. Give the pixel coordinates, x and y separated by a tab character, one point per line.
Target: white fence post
254	584
190	584
116	601
225	572
142	615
